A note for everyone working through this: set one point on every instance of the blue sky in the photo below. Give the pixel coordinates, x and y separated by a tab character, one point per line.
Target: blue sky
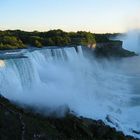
70	15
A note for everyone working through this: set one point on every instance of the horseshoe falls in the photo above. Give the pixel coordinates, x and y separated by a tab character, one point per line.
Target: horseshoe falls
52	79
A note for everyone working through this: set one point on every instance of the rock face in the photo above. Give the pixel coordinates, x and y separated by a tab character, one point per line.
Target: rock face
116	44
112	48
21	124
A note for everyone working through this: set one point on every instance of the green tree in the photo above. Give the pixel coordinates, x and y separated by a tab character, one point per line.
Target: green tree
37	43
10	42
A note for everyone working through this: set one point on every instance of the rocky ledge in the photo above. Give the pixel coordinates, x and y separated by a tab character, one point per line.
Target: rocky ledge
21	124
112	49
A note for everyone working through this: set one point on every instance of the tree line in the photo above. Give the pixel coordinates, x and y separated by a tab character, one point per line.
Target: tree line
13	39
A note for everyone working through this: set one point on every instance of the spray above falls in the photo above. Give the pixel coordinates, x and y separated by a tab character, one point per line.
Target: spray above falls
131	40
50	79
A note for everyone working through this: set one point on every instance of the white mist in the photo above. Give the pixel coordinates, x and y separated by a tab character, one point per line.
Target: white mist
132	41
50	79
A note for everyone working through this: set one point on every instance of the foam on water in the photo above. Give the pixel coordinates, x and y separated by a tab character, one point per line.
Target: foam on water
53	78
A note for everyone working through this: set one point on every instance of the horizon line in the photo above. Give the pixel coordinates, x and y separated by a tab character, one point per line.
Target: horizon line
33	30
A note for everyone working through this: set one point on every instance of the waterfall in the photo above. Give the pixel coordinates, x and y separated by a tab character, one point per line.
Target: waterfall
49	79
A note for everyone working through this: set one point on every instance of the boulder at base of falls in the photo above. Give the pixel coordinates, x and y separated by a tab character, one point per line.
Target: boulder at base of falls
112	120
17	123
136	131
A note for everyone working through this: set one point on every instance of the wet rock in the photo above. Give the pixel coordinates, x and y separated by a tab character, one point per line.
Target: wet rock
112	120
136	132
24	124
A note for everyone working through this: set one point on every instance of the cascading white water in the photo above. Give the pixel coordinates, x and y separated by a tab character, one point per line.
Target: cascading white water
52	78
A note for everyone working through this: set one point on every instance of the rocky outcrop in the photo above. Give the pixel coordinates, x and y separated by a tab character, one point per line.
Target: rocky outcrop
22	124
116	44
112	49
